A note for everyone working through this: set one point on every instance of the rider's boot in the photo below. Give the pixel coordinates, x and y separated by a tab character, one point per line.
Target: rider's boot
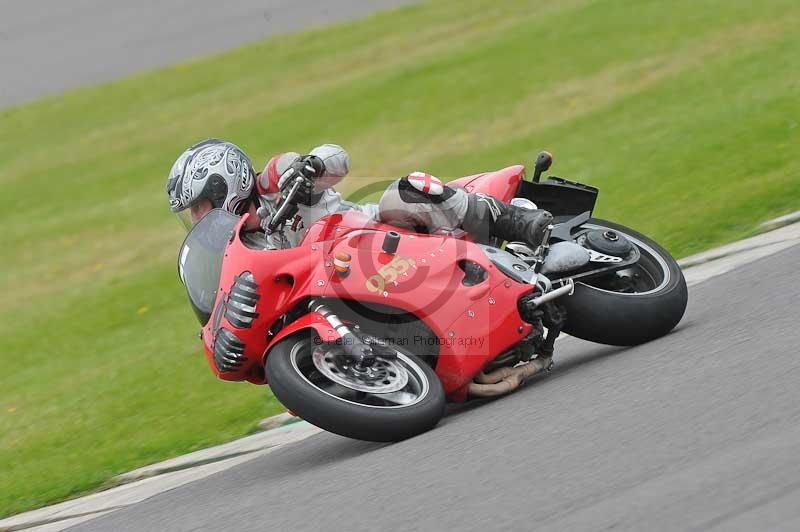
487	216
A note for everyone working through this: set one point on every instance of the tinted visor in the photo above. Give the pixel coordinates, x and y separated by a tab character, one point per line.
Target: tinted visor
185	219
191	216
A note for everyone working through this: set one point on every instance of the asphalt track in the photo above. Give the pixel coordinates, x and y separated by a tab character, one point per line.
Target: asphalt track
699	430
47	46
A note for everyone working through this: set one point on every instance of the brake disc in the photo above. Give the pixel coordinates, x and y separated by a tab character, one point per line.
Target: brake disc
383	376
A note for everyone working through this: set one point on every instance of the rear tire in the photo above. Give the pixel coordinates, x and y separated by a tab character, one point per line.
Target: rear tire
597	313
303	390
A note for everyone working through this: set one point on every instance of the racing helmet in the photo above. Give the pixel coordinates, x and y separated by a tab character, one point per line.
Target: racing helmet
215	170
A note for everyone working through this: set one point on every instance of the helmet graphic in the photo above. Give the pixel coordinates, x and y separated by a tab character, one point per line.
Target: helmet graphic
215	170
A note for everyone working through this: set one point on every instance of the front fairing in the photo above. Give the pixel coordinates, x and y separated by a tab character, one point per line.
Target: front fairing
471	324
256	289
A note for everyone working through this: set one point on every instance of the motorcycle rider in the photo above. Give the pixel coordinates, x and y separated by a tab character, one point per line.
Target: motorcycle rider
217	174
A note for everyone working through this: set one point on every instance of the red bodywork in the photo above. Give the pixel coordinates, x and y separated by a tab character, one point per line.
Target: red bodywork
472	324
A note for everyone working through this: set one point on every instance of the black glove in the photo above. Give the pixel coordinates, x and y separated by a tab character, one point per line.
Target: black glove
309	168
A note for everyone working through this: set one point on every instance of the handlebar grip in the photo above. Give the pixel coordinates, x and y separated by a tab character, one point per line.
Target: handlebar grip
287	207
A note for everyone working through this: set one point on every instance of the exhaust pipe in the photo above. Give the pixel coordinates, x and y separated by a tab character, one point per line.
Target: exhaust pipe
505	380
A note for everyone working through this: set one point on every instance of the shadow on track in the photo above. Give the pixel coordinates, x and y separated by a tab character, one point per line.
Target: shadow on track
329	449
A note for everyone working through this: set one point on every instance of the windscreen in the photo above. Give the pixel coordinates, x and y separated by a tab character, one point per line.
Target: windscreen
200	259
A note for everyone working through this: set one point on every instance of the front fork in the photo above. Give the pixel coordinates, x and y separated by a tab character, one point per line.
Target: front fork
362	354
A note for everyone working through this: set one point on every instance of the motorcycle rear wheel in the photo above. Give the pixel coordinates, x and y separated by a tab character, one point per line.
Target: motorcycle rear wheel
298	382
631	307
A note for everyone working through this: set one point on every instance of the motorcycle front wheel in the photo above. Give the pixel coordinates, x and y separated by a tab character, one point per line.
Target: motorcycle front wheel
629	307
398	397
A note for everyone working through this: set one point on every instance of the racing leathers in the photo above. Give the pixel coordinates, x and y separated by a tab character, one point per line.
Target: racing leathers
419	201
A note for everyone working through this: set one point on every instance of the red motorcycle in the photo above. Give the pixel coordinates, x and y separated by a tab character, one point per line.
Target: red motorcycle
366	330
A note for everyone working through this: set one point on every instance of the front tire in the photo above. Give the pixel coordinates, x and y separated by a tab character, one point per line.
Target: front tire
298	383
645	309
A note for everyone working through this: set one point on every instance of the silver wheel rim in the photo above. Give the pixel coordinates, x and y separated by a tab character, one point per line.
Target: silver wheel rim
415	383
647	252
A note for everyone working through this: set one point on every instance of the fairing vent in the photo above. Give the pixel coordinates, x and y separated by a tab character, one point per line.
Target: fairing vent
240	308
228	351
